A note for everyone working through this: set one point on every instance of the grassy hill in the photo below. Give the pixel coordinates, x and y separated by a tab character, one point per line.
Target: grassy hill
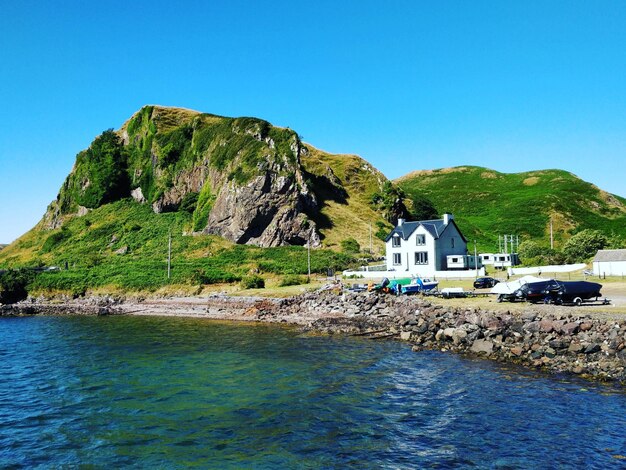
487	203
123	246
345	186
181	167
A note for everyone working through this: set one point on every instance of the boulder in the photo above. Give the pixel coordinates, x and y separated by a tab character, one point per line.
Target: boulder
569	329
482	346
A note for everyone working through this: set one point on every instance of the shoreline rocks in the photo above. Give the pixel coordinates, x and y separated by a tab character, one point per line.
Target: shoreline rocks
557	342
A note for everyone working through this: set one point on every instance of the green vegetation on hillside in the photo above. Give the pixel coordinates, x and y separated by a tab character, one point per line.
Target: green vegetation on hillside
487	204
123	246
162	144
346	186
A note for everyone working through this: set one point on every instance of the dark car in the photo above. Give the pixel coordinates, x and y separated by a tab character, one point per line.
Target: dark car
536	291
484	282
572	292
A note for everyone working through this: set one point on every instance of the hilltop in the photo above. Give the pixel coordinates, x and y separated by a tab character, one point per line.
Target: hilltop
215	183
487	203
240	178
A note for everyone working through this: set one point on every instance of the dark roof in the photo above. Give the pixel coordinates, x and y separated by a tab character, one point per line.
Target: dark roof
610	255
434	227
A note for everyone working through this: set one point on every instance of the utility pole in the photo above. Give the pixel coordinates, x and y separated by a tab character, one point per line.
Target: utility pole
169	254
551	235
475	259
308	259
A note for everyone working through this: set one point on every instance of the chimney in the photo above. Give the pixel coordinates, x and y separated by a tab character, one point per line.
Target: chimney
447	218
400	222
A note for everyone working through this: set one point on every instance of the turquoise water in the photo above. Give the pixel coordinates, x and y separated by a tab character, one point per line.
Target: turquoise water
168	393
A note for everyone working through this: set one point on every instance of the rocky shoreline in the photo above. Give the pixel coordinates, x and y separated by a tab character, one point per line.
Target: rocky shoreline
557	342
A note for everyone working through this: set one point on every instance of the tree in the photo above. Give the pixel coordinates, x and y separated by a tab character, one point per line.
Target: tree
423	208
529	251
584	245
103	169
390	201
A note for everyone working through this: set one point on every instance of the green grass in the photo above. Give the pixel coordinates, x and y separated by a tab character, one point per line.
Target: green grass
88	246
486	203
344	186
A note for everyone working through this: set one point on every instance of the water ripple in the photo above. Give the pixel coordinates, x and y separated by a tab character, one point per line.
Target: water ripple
172	393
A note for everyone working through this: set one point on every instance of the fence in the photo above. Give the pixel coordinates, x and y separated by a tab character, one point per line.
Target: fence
564	268
471	274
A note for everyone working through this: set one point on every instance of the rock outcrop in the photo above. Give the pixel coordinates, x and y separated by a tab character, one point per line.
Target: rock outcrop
241	178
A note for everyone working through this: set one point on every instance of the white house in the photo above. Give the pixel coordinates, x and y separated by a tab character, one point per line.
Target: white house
610	263
422	248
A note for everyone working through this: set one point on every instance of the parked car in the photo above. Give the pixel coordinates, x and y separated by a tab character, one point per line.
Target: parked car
535	291
572	292
484	282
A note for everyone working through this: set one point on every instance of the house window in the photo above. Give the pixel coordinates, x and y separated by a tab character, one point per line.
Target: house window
420	239
397	259
452	242
455	260
486	258
421	257
395	241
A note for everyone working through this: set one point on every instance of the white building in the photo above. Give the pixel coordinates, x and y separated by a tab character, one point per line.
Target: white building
499	260
422	248
463	262
610	263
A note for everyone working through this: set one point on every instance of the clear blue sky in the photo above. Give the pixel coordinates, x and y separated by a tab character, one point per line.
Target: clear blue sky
513	86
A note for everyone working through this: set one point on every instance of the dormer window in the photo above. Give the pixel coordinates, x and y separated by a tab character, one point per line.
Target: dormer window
395	241
420	239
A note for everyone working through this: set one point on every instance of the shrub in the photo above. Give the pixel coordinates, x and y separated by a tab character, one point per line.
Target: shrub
53	240
14	285
253	282
350	245
584	245
212	276
292	280
189	202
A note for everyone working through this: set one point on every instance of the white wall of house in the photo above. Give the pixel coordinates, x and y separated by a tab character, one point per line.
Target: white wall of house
609	268
401	254
378	275
422	254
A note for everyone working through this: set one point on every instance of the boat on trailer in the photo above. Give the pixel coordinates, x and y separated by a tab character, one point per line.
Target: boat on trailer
418	285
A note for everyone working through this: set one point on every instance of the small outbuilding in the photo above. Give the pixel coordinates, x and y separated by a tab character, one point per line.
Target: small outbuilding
609	263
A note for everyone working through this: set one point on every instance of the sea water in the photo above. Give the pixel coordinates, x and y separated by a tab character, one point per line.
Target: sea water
169	393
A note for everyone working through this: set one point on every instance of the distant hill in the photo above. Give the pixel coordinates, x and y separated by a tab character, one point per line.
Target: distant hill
2	246
487	203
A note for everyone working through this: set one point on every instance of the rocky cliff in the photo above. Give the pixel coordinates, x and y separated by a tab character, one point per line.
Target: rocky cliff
240	178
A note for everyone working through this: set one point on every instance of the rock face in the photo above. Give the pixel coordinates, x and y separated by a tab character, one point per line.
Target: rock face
241	178
269	211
